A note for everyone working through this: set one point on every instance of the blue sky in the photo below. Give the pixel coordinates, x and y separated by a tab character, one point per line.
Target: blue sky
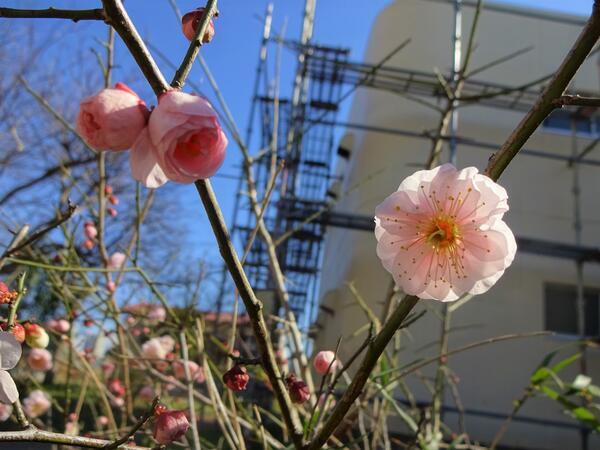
232	57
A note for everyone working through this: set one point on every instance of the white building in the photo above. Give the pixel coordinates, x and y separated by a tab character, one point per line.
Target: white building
538	292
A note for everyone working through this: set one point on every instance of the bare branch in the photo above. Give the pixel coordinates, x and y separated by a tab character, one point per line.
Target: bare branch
52	13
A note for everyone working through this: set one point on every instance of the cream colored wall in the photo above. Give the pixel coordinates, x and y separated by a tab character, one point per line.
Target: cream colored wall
541	207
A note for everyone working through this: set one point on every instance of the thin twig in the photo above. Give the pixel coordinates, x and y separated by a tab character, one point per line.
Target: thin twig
140	423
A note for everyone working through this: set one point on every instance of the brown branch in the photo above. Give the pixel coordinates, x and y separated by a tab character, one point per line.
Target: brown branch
192	52
577	100
253	307
117	17
36	435
546	103
374	351
52	13
139	424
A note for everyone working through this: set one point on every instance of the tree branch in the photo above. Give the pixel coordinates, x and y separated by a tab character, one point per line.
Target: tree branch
576	100
117	17
52	13
35	435
139	424
546	103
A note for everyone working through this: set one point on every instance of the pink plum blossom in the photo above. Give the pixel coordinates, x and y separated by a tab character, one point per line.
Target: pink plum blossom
441	234
36	404
112	119
102	421
322	361
156	314
184	142
158	348
111	286
10	354
116	260
39	359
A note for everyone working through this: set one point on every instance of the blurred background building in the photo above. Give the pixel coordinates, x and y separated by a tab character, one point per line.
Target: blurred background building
553	194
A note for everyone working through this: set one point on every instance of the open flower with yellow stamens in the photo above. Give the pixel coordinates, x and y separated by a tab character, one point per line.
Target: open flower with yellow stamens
441	234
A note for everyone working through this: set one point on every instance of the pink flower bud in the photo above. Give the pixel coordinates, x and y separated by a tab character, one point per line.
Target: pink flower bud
112	212
62	326
190	22
185	142
39	359
88	244
117	402
36	336
170	426
72	417
113	200
102	421
298	389
116	388
90	230
236	378
322	361
108	189
112	119
111	287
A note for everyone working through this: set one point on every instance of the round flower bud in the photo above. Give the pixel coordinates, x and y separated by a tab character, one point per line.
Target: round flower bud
322	361
17	331
170	426
35	335
112	119
190	22
236	378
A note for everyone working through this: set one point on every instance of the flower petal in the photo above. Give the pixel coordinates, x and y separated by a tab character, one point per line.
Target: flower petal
143	162
8	389
10	350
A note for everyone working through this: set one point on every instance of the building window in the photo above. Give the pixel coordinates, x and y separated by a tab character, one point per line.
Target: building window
560	122
561	309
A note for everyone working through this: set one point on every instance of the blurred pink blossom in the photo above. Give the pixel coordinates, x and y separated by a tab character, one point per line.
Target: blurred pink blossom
39	359
90	230
112	119
147	393
441	234
5	412
36	404
196	371
116	260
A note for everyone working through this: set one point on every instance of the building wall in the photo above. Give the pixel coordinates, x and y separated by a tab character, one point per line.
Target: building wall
540	197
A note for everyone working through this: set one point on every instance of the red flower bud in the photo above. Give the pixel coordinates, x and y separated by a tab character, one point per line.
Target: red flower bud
112	212
113	199
298	389
170	426
17	331
108	189
88	322
190	22
236	378
88	244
